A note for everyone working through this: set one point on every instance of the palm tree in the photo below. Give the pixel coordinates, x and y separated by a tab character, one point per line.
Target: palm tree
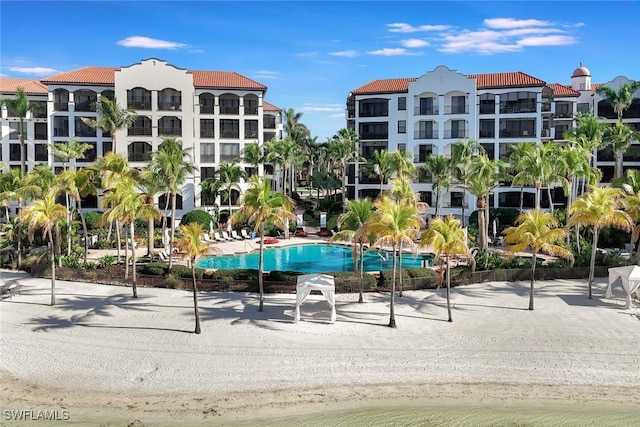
601	207
393	222
111	118
43	215
229	175
352	229
380	165
518	157
447	239
174	164
619	137
150	184
21	106
439	167
252	154
620	100
540	232
262	206
192	247
462	152
342	149
70	152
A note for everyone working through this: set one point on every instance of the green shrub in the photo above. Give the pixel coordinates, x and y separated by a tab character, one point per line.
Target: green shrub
152	270
172	282
185	272
107	260
71	261
106	244
199	216
93	219
284	276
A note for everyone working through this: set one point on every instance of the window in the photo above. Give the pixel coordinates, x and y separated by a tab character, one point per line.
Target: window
458	104
41	152
91	154
426	197
269	121
139	151
207	172
14	152
207	103
402	103
374	107
170	126
108	94
83	129
487	103
518	102
139	98
251	129
163	200
107	147
251	105
61	100
457	129
490	150
14	130
457	199
402	126
583	107
487	128
207	128
425	130
61	126
513	128
40	131
424	151
563	110
229	104
229	128
169	99
40	109
229	152
207	153
85	100
142	127
402	147
268	136
374	130
425	106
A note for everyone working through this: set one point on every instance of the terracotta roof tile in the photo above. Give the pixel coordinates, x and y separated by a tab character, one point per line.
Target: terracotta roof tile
511	79
270	107
86	75
30	86
562	90
385	86
224	79
595	86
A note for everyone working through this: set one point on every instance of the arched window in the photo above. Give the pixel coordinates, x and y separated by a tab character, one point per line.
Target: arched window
109	94
229	104
85	100
170	126
169	100
139	98
61	100
142	127
207	103
162	201
139	151
251	105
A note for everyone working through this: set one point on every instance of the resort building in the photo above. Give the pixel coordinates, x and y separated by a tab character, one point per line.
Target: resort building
428	114
215	114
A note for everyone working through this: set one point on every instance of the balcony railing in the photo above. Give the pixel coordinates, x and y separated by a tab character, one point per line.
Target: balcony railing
456	109
138	132
374	135
140	105
517	108
517	134
250	133
170	131
229	110
250	111
449	134
207	133
61	106
425	134
487	134
229	134
169	106
426	111
487	108
85	106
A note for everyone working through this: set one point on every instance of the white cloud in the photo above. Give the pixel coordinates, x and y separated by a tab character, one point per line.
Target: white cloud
414	43
402	27
506	23
149	43
264	74
344	53
322	108
399	51
547	41
38	71
484	42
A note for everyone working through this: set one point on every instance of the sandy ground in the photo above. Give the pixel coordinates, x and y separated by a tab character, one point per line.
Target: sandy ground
110	359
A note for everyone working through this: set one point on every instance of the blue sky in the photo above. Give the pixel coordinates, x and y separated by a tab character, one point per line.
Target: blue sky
311	54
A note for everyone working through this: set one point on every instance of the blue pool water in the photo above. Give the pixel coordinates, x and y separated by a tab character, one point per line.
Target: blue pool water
308	259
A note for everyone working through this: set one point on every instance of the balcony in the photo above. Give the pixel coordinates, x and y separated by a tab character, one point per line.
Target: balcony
426	111
453	134
235	110
518	107
140	105
487	133
517	134
169	106
137	131
456	109
61	106
230	134
250	134
487	108
425	134
250	111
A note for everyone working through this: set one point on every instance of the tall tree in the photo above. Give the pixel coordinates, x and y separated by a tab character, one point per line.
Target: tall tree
43	215
539	231
230	175
439	167
150	184
447	239
621	99
111	118
352	229
342	149
260	207
252	154
600	207
619	137
174	164
462	153
393	222
20	105
192	247
380	165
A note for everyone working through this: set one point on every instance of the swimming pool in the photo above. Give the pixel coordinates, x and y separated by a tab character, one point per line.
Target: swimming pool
308	259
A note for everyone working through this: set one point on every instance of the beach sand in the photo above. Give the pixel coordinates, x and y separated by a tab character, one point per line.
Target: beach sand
109	359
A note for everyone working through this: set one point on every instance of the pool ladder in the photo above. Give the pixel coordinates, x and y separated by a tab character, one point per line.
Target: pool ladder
250	245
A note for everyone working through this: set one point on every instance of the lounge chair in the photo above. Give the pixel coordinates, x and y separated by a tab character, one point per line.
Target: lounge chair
234	234
208	238
216	236
226	236
244	234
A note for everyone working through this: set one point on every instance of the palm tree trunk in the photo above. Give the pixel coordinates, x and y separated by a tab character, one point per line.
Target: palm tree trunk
261	268
118	240
126	257
448	289
23	154
18	236
69	217
229	217
392	315
195	295
150	225
360	272
521	197
84	231
53	269
344	195
173	228
400	271
550	199
592	263
133	260
464	200
533	279
58	245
